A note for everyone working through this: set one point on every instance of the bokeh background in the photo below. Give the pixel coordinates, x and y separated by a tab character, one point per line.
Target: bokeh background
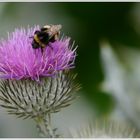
108	60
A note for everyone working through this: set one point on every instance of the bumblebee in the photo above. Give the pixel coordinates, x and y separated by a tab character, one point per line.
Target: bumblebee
42	37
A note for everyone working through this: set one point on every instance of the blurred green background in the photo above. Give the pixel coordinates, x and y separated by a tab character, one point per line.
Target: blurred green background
108	36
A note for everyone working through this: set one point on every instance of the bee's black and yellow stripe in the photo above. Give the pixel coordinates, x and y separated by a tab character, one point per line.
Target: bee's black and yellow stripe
38	41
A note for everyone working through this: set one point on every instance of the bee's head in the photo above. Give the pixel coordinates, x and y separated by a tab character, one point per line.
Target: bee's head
37	32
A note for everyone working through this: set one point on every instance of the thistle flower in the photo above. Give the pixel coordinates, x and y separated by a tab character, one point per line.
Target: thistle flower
19	60
105	129
35	84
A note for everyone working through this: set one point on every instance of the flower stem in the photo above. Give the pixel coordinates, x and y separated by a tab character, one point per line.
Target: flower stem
45	128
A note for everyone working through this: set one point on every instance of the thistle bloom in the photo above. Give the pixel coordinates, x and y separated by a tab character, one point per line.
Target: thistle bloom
19	60
21	67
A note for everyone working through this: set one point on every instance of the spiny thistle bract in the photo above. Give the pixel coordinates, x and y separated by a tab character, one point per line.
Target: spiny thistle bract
105	129
27	98
33	83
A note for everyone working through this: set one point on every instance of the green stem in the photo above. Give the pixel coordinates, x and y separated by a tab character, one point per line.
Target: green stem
44	126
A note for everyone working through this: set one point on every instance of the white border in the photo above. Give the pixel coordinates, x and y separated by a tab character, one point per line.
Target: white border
69	0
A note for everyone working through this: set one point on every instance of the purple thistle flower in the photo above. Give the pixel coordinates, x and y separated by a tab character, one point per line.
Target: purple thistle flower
19	60
19	63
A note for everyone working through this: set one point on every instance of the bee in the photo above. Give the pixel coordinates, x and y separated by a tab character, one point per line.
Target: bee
42	37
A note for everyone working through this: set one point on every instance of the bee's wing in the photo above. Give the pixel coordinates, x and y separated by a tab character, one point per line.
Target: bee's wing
59	26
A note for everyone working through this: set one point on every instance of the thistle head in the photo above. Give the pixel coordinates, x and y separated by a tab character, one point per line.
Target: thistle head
35	83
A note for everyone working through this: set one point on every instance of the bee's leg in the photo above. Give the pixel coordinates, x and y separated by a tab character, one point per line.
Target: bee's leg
41	50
